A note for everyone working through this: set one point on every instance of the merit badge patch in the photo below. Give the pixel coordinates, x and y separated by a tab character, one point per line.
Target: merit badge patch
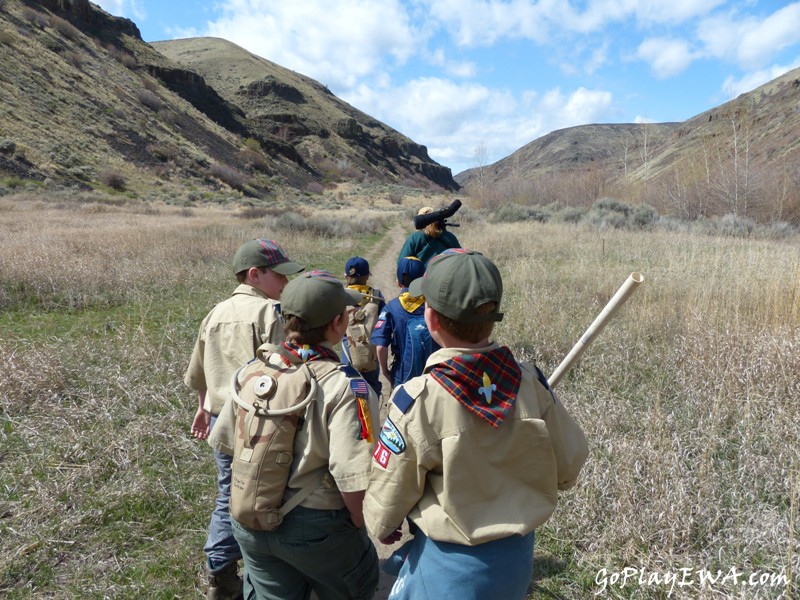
361	392
390	437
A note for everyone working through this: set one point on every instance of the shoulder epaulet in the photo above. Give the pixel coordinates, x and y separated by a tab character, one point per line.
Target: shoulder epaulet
407	394
542	378
349	370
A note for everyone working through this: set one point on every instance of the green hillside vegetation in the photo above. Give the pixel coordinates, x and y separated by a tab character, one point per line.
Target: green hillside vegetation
690	398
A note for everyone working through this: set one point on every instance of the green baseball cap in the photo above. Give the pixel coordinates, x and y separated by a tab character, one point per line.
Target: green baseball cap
264	253
457	282
317	297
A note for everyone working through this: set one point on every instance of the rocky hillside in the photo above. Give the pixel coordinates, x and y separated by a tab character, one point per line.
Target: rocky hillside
279	103
87	104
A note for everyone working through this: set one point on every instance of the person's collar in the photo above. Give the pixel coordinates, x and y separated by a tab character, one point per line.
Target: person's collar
444	354
248	290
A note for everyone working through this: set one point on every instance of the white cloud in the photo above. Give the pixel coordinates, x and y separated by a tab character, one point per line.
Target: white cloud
336	44
484	22
666	56
670	11
460	69
452	118
767	38
734	87
748	41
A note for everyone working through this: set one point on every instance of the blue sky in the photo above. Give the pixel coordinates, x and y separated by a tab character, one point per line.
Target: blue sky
475	80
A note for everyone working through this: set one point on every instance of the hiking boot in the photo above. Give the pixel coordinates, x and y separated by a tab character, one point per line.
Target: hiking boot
225	583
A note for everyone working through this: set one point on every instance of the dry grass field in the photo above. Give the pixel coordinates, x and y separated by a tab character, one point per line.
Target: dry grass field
690	398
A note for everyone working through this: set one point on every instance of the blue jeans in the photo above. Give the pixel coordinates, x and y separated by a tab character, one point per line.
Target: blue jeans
221	547
311	549
431	570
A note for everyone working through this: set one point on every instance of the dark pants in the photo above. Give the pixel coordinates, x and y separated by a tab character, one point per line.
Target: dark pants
312	549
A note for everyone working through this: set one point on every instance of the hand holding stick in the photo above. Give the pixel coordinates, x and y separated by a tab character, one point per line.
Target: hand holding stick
623	293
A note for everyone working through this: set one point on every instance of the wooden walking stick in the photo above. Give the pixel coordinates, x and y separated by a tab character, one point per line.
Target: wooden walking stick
623	293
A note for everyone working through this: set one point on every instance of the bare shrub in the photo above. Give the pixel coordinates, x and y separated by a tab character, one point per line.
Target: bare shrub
327	166
74	59
314	187
126	59
257	212
233	177
129	61
164	152
254	159
149	83
65	28
148	99
7	38
34	17
113	179
395	198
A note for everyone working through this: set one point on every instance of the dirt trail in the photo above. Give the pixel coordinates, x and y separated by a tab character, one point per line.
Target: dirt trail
384	266
384	277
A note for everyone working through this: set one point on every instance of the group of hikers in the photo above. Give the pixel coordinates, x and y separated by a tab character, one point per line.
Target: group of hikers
468	453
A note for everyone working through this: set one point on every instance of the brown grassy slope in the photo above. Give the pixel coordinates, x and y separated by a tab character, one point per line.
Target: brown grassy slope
280	102
78	102
84	98
574	149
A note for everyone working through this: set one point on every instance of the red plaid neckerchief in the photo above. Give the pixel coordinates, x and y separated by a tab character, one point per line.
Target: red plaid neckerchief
311	353
485	383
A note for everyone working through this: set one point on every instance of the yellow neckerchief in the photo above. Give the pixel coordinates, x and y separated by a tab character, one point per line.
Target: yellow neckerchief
364	289
409	302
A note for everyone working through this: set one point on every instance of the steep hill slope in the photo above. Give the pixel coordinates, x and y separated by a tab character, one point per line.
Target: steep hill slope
87	104
292	107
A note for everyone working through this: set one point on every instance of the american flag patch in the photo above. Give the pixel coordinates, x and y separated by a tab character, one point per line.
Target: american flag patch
359	387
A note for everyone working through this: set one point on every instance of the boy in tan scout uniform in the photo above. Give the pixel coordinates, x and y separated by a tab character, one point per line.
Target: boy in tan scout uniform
357	349
321	544
473	452
229	336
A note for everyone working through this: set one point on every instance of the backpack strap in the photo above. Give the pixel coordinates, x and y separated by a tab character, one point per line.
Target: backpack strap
257	409
305	492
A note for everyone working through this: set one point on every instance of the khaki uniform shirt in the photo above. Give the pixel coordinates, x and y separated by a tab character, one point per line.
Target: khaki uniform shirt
459	479
329	439
229	337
